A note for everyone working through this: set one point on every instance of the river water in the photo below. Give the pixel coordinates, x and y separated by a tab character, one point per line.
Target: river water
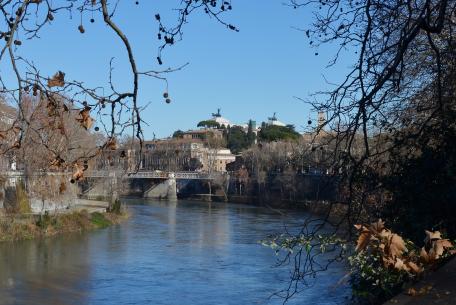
166	253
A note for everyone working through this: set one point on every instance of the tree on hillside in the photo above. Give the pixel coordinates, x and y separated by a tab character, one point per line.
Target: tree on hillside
178	134
209	124
277	133
251	137
237	139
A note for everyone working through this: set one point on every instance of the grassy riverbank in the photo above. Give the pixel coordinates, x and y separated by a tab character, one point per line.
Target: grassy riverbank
20	227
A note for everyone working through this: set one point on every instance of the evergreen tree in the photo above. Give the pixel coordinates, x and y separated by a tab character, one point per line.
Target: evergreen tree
237	139
276	133
178	134
250	134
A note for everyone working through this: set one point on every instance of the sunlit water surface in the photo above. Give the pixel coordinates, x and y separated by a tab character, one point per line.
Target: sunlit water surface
166	253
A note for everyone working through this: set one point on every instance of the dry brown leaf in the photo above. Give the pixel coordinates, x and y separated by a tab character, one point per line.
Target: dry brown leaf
446	243
58	80
439	246
388	261
422	291
36	87
111	144
412	292
358	227
87	123
400	265
385	234
430	236
51	109
396	246
425	289
78	172
425	256
412	254
85	120
414	267
57	163
62	187
363	240
378	226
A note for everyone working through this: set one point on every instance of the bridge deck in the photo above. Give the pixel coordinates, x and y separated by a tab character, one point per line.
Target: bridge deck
122	174
148	175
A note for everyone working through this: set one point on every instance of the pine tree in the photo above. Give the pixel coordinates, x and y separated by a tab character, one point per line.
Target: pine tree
250	134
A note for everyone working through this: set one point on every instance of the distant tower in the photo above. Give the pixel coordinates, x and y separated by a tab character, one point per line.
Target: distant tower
321	119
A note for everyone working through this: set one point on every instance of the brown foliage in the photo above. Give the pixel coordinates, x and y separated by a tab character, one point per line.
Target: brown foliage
393	249
85	120
111	144
78	172
58	80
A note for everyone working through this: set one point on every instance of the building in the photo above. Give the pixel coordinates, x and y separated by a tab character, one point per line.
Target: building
171	155
218	159
274	121
184	154
202	134
217	117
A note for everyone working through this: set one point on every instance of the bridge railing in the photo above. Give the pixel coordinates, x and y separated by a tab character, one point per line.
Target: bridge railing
122	174
21	173
148	174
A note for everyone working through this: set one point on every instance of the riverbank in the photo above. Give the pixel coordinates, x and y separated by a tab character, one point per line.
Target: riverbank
331	209
436	288
23	227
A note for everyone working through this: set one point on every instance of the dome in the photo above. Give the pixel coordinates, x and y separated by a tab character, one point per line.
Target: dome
222	121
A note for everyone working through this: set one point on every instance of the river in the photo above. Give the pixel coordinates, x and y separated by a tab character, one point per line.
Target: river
166	253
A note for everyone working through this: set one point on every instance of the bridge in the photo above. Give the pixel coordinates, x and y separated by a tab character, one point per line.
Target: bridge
120	174
153	183
104	183
148	175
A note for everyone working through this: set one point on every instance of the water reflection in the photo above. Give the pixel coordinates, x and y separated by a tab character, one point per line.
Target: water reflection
167	253
53	271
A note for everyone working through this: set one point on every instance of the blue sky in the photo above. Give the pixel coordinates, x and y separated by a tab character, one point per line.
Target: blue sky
248	74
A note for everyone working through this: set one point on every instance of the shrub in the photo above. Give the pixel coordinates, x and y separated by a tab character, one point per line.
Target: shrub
384	262
44	221
115	207
99	220
23	202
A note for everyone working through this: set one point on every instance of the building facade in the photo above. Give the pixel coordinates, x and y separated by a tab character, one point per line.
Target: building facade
186	154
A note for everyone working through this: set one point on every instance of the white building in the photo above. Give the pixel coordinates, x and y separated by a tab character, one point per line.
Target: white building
221	158
221	120
274	121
